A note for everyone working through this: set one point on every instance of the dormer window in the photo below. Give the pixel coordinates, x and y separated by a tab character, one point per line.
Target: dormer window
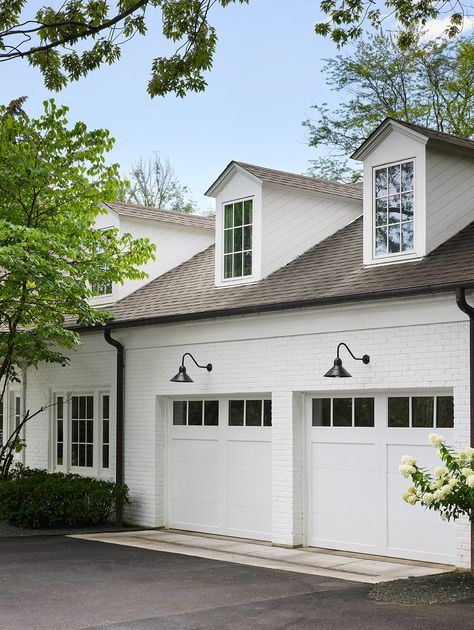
394	209
238	222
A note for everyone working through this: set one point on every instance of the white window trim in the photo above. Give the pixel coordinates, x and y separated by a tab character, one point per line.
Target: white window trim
237	279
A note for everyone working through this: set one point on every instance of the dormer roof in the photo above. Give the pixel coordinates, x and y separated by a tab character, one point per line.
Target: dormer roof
158	214
284	178
424	133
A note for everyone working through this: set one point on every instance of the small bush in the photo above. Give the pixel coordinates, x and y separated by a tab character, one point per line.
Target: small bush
36	498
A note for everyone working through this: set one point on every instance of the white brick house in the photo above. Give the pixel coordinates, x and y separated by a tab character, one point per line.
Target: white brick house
291	268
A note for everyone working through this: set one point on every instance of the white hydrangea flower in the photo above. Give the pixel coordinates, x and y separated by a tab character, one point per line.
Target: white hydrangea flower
428	498
436	439
440	472
467	472
469	451
462	455
470	481
441	493
408	460
406	470
453	482
438	483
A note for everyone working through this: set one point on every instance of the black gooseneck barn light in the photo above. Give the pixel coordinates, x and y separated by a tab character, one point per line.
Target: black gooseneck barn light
337	370
182	376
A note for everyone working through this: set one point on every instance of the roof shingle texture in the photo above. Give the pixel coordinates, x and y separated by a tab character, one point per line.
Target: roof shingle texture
439	136
178	218
284	178
331	271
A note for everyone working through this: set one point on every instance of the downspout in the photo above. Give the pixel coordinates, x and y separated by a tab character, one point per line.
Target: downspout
119	412
469	310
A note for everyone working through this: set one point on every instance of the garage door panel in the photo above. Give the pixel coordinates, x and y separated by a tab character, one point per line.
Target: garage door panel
423	453
249	453
338	493
343	531
435	539
248	486
250	521
204	451
193	481
198	515
346	456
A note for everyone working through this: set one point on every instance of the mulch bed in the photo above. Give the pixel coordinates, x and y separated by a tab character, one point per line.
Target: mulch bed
9	530
455	586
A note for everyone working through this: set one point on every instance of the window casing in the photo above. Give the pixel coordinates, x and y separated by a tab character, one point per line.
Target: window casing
420	412
250	413
196	413
238	239
343	412
394	209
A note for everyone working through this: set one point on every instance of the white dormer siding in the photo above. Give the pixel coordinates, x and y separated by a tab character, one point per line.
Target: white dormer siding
287	220
449	194
175	244
294	220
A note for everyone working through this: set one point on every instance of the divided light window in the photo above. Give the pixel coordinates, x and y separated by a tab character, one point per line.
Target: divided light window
238	218
394	209
421	411
82	431
343	412
250	413
196	412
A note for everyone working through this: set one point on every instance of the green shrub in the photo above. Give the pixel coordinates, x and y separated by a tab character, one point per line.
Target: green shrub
36	498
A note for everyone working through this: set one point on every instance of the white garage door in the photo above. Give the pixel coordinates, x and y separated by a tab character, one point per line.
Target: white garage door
219	467
355	489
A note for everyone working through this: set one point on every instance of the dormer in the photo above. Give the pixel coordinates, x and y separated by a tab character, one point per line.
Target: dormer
265	218
418	190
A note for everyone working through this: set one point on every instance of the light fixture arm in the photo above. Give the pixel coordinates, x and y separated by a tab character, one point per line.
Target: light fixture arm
364	358
208	366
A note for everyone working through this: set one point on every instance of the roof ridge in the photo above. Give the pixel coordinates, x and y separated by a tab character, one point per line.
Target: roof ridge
293	174
171	212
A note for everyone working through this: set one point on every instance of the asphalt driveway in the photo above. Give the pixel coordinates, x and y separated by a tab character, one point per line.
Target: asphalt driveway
58	583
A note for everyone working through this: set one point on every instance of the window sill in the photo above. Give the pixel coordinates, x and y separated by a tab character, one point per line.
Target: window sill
394	259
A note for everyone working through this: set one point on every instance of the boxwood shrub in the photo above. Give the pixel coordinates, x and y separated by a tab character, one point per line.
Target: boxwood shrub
37	498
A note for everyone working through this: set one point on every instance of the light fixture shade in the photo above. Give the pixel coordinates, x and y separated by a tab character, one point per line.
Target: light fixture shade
181	376
337	370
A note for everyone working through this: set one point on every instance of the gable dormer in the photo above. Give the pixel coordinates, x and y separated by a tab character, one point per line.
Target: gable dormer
265	218
418	190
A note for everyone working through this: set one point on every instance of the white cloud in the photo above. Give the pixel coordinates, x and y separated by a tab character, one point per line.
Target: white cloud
436	28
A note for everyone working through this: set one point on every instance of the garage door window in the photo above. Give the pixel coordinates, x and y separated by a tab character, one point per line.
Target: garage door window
343	412
421	412
250	413
196	413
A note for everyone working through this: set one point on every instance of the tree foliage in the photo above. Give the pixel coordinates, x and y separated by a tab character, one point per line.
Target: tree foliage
67	42
431	84
347	20
153	183
52	179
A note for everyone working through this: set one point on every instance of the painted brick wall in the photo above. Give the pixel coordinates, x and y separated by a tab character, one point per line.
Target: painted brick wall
282	355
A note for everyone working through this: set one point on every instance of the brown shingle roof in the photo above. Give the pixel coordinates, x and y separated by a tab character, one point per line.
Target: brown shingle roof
283	178
330	272
179	218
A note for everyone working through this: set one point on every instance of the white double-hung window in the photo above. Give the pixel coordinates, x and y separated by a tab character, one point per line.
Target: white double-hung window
394	209
238	226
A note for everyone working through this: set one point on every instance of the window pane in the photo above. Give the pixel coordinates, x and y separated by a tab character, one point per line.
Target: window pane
60	431
228	241
364	412
237	265
228	216
105	456
398	412
236	413
248	264
238	239
380	182
90	407
82	407
211	413
82	454
82	431
394	239
74	407
105	432
89	455
422	408
59	455
381	212
321	412
445	412
342	412
228	266
380	241
238	213
105	407
90	431
394	179
407	236
60	407
179	412
267	413
195	412
407	206
394	209
75	431
248	237
248	211
74	455
253	413
407	176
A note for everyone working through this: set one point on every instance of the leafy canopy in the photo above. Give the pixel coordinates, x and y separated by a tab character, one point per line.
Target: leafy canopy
431	84
52	179
70	40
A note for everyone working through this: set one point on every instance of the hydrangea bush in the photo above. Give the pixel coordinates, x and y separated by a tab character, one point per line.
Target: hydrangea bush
450	489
